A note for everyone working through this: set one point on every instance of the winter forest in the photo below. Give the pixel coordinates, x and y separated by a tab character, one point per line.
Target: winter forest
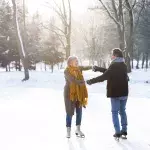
50	37
36	39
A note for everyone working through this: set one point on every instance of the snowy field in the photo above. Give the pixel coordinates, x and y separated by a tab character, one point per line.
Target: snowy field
32	114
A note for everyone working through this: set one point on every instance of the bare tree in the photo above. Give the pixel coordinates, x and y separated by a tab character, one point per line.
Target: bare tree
22	52
65	15
133	24
117	13
118	17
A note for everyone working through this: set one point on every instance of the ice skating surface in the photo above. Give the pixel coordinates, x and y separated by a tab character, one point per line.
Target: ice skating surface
33	118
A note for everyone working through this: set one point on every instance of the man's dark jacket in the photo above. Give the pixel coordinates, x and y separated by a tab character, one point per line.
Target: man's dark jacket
117	79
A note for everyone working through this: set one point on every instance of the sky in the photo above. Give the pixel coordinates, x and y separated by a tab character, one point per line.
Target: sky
78	6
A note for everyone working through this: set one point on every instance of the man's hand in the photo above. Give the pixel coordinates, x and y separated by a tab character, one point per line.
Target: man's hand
95	68
89	82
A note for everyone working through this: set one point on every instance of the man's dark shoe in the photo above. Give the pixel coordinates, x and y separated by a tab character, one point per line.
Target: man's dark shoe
123	134
117	136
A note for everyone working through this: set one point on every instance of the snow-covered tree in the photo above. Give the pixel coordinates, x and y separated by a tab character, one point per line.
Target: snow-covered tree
21	48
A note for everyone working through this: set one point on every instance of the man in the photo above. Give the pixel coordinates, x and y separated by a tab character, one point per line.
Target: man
117	90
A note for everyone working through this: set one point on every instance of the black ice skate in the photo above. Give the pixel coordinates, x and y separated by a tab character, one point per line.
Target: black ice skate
117	136
124	135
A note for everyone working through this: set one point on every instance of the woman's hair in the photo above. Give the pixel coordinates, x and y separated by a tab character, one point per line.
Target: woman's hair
70	59
117	52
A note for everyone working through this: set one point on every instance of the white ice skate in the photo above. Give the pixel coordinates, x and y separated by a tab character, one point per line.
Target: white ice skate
79	133
68	132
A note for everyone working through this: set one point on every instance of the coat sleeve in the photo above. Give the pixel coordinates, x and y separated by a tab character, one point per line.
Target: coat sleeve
85	68
100	69
105	76
128	78
71	79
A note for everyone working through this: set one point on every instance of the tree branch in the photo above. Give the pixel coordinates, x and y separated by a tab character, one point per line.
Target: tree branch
64	8
58	7
69	12
108	12
135	1
62	17
56	28
115	9
120	10
51	30
70	20
139	15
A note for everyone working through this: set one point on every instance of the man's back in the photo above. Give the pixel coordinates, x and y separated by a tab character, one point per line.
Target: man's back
117	83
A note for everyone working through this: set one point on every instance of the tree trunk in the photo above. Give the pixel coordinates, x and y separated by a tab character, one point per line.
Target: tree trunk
16	65
41	66
121	38
6	68
130	39
129	63
143	60
67	50
132	63
45	66
138	59
100	62
9	67
52	68
26	65
124	48
22	53
137	65
35	67
26	71
19	65
147	60
61	66
123	45
104	64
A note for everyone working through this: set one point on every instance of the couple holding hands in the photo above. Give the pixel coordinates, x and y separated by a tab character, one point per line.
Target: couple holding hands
76	95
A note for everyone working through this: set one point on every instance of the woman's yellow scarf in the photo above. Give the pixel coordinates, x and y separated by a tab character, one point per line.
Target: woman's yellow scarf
77	92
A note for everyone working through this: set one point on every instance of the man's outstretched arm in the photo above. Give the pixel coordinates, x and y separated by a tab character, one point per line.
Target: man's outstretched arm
103	77
100	69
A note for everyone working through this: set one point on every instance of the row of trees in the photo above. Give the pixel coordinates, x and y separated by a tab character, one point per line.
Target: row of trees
142	37
127	25
23	40
27	40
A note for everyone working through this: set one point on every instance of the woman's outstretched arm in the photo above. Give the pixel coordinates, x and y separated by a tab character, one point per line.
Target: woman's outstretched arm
85	68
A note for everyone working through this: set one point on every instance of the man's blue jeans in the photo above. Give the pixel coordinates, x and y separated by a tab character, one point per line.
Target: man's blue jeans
118	106
78	117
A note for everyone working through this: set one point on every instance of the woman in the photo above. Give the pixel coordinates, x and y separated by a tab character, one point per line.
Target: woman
75	94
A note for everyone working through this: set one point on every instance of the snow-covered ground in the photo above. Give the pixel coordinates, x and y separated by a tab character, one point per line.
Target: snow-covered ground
32	114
